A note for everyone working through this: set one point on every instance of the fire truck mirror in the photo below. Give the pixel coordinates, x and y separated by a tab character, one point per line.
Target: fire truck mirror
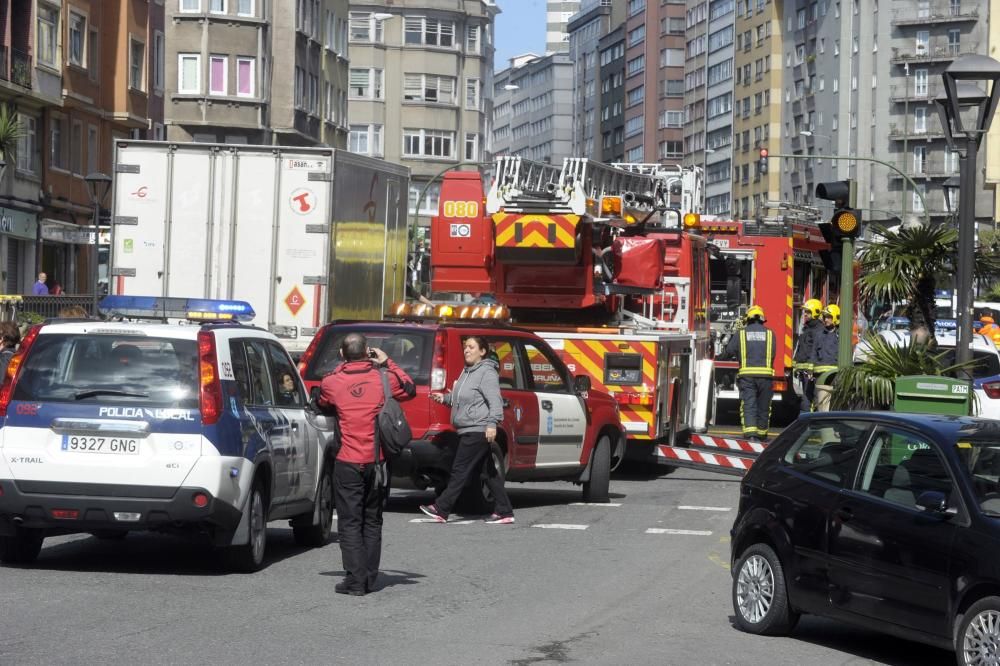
734	283
581	384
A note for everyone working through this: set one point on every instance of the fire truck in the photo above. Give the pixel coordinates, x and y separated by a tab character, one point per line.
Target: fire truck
595	259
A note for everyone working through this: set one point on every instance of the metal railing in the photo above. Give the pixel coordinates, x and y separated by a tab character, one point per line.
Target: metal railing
47	307
20	68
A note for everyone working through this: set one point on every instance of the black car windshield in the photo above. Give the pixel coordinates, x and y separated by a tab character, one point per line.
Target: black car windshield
410	348
111	369
981	462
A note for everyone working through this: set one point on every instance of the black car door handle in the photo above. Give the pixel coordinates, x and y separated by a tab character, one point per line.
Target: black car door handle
547	405
844	514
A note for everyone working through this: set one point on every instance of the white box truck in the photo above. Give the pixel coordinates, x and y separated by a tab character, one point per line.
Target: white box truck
305	235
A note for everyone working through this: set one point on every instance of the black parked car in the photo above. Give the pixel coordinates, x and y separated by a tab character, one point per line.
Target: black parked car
887	520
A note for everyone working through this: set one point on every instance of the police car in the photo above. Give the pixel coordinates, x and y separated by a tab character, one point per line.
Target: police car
197	426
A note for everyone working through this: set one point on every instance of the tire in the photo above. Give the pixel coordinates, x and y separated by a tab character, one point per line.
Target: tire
596	489
979	632
317	536
249	557
22	548
760	597
110	535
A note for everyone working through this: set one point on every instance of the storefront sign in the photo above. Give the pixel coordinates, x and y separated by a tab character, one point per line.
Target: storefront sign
18	224
67	232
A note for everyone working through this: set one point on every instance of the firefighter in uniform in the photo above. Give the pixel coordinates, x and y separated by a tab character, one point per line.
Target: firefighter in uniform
803	359
827	347
754	347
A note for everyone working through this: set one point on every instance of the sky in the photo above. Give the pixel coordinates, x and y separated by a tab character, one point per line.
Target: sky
520	28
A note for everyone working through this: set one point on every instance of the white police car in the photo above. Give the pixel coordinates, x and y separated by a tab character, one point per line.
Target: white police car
198	426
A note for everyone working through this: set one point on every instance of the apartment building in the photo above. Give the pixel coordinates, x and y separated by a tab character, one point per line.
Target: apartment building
757	106
557	16
421	90
78	74
611	68
533	108
250	71
585	29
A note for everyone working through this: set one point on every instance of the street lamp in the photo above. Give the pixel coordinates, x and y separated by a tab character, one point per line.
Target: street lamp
964	95
951	188
382	16
98	186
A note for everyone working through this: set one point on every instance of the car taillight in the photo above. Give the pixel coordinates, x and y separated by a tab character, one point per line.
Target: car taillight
992	389
310	352
439	375
210	395
16	361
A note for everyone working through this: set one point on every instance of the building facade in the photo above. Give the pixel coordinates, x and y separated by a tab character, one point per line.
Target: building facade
421	89
242	71
611	70
77	74
557	16
533	108
585	29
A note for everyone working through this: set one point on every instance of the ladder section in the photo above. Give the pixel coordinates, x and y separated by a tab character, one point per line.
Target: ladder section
522	183
584	179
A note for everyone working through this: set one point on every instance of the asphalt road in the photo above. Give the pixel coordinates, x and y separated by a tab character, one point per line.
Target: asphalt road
644	580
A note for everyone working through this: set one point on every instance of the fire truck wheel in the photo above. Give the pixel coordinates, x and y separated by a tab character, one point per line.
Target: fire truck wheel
596	489
760	598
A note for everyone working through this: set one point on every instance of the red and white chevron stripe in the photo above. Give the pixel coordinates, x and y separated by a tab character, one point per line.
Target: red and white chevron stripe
704	458
727	443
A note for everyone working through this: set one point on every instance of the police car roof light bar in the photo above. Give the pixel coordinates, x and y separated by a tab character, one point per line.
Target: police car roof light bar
156	307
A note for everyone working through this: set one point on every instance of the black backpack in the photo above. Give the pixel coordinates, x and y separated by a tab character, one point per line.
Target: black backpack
391	427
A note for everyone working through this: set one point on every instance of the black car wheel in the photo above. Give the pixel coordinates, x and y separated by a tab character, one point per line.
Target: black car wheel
22	548
760	598
979	634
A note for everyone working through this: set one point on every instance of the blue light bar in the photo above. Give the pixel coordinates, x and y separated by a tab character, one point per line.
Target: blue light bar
946	324
156	307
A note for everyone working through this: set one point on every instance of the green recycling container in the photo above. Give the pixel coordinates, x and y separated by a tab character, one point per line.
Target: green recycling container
932	394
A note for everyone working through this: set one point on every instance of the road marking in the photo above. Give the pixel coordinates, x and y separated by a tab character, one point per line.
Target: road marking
704	508
450	522
560	526
667	530
593	504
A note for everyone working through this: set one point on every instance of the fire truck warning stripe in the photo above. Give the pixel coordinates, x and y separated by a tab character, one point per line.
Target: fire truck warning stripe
596	350
730	444
789	304
691	456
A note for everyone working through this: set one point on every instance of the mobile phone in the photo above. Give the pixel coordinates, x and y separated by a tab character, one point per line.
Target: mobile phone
372	354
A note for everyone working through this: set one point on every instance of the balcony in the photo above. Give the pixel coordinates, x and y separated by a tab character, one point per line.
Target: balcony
939	14
907	92
929	169
929	133
15	66
937	50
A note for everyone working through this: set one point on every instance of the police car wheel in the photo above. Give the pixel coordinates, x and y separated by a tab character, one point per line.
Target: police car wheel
22	548
249	557
308	534
596	489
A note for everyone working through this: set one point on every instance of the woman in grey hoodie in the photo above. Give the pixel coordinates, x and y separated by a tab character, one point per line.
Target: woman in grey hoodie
476	411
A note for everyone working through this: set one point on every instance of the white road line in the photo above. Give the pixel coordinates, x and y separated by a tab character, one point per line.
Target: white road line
450	522
705	508
560	526
667	530
593	504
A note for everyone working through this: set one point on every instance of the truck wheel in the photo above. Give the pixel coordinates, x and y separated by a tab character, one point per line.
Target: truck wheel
307	534
22	548
596	489
760	598
249	557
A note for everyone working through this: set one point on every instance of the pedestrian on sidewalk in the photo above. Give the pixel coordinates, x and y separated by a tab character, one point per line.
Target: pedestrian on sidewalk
354	391
476	412
754	347
40	288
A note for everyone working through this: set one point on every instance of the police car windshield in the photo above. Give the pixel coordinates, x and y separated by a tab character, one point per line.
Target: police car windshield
111	369
987	363
411	349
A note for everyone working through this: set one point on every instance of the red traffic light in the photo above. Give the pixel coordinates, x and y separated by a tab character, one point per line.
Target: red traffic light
763	152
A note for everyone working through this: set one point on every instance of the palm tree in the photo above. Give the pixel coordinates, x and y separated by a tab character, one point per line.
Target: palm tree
905	265
10	132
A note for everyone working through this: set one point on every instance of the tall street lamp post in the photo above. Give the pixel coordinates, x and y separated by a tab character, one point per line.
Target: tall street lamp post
98	186
966	112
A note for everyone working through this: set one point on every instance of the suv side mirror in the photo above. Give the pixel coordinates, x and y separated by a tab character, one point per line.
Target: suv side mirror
934	501
581	384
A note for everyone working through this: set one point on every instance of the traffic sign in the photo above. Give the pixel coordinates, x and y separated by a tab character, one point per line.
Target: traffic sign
295	301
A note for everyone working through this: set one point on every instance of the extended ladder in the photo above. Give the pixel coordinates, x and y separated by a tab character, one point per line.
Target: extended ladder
518	182
586	179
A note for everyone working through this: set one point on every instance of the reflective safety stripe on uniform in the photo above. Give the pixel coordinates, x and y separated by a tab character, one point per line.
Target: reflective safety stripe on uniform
755	370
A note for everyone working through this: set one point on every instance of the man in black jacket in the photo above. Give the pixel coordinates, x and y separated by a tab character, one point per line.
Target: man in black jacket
803	358
754	347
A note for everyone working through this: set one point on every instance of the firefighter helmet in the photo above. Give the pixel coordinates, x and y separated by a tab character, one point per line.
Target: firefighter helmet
813	307
832	311
755	311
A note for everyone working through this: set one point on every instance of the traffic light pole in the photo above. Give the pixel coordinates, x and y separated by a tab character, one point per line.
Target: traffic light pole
845	356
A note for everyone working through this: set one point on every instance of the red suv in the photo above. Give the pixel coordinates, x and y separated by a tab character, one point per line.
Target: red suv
555	427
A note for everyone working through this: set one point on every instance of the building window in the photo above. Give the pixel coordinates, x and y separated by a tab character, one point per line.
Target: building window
189	73
428	143
217	6
245	8
76	147
636	6
367	83
159	56
93	157
365	140
634	154
57	142
429	202
472	94
365	28
246	69
47	31
429	32
637	35
429	88
920	82
636	96
77	39
218	75
633	126
954	42
471	147
919	159
190	5
635	66
472	39
136	64
93	55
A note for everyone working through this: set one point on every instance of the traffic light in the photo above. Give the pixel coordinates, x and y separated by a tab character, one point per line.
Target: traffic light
763	161
846	221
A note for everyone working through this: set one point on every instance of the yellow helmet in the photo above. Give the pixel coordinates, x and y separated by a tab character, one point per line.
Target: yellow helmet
814	307
833	311
756	311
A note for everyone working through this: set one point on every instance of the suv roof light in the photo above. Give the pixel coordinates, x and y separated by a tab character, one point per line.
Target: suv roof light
157	307
446	312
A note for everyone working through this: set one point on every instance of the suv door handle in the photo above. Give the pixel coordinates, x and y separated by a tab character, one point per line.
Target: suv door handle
844	514
547	405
